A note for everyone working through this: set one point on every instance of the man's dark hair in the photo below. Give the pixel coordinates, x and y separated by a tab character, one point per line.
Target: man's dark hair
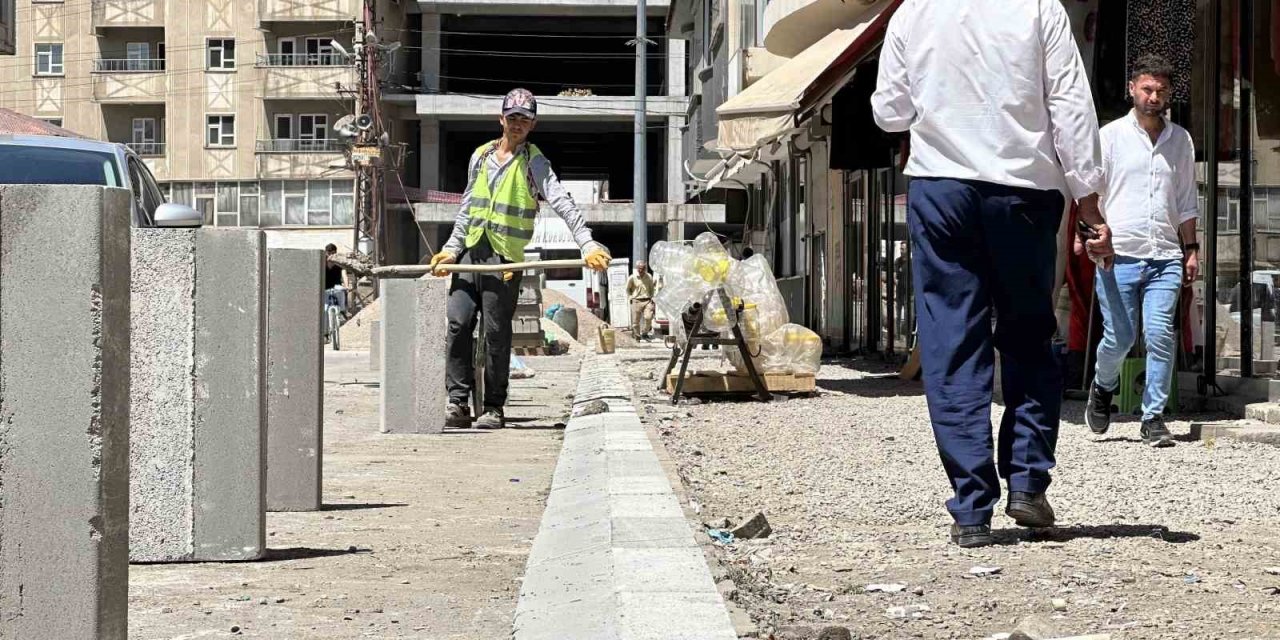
1154	65
331	248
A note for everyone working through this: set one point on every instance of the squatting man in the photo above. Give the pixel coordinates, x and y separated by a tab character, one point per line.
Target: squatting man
494	223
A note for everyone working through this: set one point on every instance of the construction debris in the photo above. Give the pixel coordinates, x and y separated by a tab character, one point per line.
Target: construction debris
756	527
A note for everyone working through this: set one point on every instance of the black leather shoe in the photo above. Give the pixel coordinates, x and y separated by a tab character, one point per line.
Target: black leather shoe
971	536
1097	413
1030	510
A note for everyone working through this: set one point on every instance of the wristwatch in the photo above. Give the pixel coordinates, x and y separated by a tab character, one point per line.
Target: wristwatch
1190	245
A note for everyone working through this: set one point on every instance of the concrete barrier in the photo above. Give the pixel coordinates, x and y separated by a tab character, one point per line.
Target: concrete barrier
414	327
198	443
64	412
375	345
295	379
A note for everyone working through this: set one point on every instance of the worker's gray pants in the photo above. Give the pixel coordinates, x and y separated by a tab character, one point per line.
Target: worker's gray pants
467	293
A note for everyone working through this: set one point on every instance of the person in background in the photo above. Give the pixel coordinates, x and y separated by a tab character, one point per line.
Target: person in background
495	222
335	291
1151	207
1002	122
640	290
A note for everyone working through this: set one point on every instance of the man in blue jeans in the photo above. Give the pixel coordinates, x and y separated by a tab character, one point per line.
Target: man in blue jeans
1150	205
1002	124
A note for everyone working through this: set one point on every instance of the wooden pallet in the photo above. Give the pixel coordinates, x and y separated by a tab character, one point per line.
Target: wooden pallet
713	382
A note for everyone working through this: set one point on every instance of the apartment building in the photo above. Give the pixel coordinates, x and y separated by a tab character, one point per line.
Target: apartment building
231	104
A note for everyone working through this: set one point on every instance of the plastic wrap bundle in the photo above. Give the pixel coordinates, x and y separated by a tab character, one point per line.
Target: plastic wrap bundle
791	349
752	280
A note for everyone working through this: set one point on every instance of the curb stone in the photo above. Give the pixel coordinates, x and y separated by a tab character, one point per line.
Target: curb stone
615	557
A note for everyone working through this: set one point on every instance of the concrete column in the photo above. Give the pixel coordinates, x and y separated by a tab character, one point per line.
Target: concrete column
676	67
414	328
431	52
64	443
295	379
675	161
197	436
429	148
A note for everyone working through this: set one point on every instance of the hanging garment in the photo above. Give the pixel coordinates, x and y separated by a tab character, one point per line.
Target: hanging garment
1166	27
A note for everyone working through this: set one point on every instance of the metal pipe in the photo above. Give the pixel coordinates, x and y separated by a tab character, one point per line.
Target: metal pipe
640	229
1246	188
1210	363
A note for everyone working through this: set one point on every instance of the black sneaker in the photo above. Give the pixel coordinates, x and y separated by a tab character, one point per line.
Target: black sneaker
1155	434
1030	510
971	536
490	419
457	416
1097	414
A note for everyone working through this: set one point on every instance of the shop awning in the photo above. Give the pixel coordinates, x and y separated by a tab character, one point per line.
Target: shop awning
768	108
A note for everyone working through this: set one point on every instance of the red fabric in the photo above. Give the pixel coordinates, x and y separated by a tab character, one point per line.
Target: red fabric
1184	304
1080	272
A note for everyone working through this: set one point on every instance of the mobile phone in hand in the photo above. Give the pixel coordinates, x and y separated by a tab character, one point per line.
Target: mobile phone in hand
1086	232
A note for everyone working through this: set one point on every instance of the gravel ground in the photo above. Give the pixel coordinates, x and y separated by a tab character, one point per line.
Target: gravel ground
1174	543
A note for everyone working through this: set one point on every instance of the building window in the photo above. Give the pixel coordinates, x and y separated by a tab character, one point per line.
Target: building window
49	59
307	203
221	131
222	53
57	122
313	130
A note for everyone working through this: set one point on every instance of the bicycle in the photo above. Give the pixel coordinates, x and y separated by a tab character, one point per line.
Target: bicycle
333	312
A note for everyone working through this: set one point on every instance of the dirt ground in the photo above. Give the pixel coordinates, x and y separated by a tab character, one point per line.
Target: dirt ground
1175	543
421	536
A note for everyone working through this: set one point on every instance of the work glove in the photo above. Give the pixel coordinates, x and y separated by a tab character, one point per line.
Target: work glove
598	259
444	257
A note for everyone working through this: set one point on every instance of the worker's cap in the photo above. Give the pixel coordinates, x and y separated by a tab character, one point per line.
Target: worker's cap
521	102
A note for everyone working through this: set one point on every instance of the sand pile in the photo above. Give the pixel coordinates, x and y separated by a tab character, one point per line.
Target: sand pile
355	333
588	323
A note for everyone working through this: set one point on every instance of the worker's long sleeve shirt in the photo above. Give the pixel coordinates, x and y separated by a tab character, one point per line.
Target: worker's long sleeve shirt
990	91
1151	188
546	183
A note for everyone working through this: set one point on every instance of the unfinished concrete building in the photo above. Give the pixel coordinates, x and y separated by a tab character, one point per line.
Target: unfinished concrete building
576	57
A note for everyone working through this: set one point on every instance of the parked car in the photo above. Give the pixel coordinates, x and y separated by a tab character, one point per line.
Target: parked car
31	159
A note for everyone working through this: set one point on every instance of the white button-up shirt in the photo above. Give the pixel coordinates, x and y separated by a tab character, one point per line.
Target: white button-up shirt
1150	189
991	91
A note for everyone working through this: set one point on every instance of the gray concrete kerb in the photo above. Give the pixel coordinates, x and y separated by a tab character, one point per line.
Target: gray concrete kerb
614	557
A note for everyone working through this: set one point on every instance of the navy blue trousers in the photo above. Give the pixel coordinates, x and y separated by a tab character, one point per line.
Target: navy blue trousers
978	249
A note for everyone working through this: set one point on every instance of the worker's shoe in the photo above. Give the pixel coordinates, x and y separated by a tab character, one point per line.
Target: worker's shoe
1097	413
969	537
490	419
457	416
1030	510
1156	434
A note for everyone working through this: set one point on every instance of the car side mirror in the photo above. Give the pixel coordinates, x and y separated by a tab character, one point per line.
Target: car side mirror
170	215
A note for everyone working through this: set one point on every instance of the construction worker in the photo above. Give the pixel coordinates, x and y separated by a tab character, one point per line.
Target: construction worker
640	289
494	224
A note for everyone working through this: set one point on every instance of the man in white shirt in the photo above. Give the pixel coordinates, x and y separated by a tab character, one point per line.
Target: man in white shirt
1150	205
1002	123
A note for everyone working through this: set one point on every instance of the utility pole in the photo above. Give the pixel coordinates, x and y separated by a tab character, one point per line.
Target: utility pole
369	153
640	229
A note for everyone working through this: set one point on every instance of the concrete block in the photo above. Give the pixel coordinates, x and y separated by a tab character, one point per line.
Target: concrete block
295	379
412	340
375	345
64	412
198	437
1258	432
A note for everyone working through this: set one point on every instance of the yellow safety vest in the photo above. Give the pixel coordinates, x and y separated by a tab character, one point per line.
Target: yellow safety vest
505	216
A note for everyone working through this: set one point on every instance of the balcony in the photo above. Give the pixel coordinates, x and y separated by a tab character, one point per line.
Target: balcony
128	13
307	10
324	145
791	26
280	158
305	75
147	149
132	81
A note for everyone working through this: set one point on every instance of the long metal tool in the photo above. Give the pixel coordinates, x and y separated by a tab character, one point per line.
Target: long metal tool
419	270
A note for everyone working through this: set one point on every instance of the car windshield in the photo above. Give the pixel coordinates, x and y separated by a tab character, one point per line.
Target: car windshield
52	165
